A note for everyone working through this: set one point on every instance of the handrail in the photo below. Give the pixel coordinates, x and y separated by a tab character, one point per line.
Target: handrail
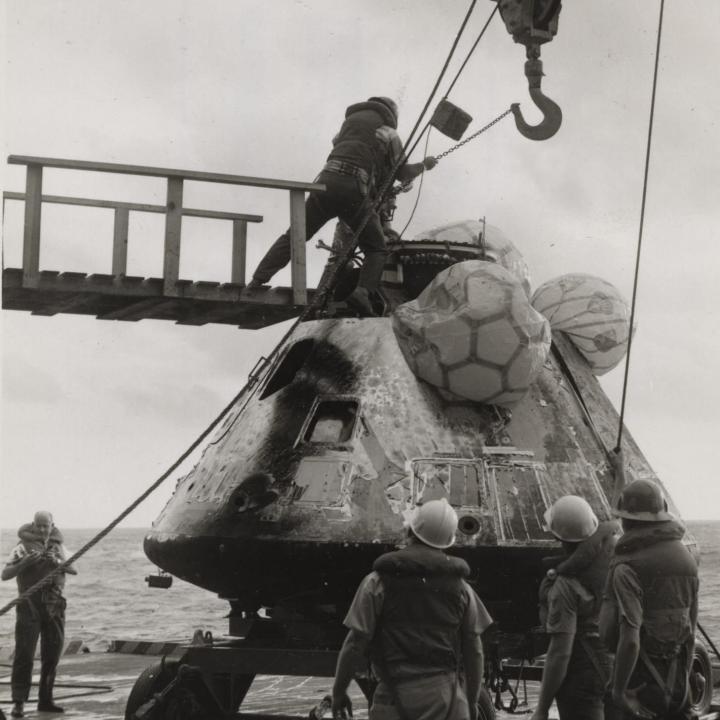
173	211
139	207
146	171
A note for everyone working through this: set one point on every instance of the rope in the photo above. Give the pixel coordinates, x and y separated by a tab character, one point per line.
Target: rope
438	81
708	640
420	184
96	539
457	75
642	222
472	50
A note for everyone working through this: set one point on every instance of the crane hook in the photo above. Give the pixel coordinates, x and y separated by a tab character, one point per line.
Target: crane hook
552	114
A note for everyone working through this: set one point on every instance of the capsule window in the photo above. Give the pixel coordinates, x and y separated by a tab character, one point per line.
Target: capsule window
459	483
289	367
332	422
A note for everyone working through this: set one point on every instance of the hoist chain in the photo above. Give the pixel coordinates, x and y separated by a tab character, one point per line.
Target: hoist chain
473	136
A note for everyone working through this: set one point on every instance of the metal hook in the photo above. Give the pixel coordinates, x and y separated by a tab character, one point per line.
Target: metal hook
551	111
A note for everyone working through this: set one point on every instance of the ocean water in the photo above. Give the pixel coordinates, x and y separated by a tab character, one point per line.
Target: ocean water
109	599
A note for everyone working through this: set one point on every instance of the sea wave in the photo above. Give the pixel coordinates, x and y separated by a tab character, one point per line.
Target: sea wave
109	599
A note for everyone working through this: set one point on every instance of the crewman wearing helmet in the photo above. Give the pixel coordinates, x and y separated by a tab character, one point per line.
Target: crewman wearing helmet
650	607
577	667
366	151
419	622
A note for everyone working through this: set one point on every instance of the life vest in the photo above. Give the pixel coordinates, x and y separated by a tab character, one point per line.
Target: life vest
358	143
423	607
587	565
31	541
668	575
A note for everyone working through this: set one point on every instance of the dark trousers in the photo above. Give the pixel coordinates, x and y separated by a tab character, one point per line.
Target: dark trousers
582	696
37	617
347	199
652	696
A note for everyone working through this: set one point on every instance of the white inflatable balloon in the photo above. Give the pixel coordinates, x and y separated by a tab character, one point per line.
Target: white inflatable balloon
472	331
592	313
494	242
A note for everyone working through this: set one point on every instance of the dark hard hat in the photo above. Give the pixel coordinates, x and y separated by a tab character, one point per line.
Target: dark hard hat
389	103
643	500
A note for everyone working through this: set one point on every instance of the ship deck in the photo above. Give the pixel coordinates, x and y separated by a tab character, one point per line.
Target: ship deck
95	686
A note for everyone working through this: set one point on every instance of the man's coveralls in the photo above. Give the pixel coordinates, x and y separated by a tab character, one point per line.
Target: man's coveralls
653	586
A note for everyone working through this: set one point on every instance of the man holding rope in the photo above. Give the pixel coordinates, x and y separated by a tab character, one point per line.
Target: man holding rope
42	614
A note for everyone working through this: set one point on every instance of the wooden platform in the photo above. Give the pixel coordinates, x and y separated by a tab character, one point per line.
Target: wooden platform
117	296
108	297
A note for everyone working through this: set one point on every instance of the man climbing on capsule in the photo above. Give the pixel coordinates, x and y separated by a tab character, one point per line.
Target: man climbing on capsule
419	622
366	151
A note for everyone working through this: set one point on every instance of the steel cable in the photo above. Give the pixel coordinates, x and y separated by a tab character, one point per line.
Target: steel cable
642	222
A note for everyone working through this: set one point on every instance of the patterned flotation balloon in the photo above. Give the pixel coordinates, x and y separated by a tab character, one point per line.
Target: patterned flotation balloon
592	313
495	243
472	331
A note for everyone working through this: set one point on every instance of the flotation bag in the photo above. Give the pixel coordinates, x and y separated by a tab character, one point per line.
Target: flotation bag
495	244
592	313
472	331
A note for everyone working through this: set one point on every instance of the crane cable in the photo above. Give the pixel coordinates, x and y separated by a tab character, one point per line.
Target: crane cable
427	125
642	223
317	301
439	79
458	73
637	262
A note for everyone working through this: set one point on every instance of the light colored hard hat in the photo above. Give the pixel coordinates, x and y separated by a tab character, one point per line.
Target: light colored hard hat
571	519
435	523
643	500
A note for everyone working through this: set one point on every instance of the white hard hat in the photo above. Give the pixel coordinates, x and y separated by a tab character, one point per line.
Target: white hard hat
571	519
434	523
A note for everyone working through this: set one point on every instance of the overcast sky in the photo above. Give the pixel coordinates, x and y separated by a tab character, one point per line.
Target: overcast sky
93	411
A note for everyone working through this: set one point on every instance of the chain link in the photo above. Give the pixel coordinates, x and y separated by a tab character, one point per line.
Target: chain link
474	135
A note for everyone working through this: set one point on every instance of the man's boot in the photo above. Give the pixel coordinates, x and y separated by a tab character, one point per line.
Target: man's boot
17	710
49	706
359	300
45	693
256	284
